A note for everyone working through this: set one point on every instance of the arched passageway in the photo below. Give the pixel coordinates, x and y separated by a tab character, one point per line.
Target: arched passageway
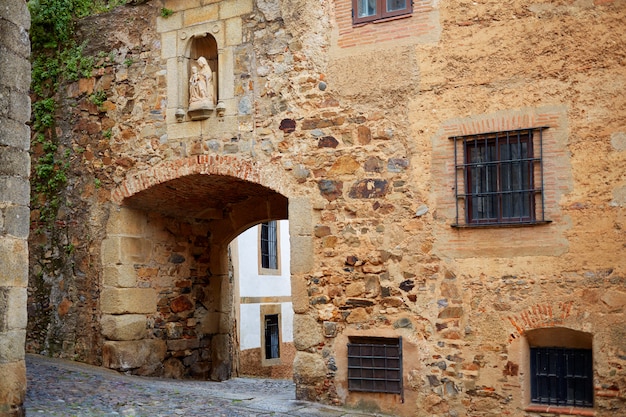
167	296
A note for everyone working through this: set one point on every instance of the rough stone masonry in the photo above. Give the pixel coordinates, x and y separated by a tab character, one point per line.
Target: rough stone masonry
346	131
14	202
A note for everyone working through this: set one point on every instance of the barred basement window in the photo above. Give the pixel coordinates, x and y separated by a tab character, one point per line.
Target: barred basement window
375	364
502	175
272	337
370	10
269	245
561	376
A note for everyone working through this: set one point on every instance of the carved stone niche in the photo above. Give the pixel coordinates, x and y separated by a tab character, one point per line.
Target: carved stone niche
202	91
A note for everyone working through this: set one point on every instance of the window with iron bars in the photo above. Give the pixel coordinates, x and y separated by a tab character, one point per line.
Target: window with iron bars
269	245
375	364
272	336
561	376
499	178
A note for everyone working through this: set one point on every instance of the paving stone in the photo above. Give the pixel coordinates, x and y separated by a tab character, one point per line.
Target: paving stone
63	388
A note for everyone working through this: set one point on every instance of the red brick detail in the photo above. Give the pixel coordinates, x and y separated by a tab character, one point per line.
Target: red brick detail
414	25
541	316
201	164
560	410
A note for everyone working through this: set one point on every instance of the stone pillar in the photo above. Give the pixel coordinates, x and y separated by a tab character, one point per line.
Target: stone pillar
14	200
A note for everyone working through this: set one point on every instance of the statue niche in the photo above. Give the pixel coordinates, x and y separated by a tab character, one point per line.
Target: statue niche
201	87
202	79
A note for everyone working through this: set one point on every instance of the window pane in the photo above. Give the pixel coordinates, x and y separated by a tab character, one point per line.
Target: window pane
483	178
272	345
366	8
395	5
269	245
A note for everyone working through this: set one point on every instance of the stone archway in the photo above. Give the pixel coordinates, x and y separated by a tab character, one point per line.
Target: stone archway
166	299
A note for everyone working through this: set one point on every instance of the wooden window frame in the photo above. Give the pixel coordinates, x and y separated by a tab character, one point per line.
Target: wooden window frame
262	269
270	310
498	170
381	13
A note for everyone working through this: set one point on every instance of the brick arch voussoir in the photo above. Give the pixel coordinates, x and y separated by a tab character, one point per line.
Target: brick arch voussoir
229	165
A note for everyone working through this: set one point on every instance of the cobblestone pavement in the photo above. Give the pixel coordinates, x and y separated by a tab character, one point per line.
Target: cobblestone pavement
71	389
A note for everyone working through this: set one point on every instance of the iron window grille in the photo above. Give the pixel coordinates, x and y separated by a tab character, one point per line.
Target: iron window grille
269	245
501	175
272	339
561	376
375	364
369	10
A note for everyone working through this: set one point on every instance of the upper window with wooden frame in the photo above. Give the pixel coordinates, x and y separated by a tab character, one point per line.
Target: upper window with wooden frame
369	10
499	178
269	248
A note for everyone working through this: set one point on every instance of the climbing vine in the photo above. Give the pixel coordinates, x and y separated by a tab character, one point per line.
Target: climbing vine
57	58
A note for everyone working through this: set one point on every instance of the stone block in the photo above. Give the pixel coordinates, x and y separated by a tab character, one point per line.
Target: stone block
306	332
126	222
121	276
177	5
15	70
233	8
210	323
204	14
13	382
14	261
614	299
19	106
299	294
135	249
14	38
128	300
234	31
15	190
110	251
124	327
302	249
169	45
13	314
182	344
308	368
173	88
16	12
167	24
127	355
12	346
184	130
14	133
17	221
300	216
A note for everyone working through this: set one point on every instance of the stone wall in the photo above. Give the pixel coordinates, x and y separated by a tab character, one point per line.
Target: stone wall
14	201
349	140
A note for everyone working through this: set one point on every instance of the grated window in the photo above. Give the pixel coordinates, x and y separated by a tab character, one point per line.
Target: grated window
375	364
269	245
561	376
272	338
501	175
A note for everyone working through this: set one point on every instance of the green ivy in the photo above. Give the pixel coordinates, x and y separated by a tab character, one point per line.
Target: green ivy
56	58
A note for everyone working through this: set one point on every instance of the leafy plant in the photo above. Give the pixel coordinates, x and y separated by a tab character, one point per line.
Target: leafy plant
98	98
165	13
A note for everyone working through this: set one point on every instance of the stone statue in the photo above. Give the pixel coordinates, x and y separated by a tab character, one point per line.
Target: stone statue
201	86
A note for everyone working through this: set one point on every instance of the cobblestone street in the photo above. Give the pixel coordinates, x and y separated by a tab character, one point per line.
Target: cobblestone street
70	389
